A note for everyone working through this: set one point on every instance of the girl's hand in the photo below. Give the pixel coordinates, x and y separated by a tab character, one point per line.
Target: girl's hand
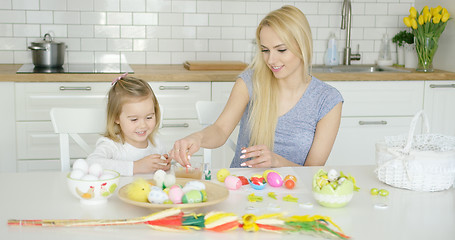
261	156
151	163
183	149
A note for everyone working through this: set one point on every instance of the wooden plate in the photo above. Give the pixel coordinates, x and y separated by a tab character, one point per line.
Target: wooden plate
215	194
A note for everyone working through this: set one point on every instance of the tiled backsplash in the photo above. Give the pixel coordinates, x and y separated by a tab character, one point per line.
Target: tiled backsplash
172	31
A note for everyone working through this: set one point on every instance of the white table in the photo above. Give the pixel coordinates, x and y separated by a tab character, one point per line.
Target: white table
410	215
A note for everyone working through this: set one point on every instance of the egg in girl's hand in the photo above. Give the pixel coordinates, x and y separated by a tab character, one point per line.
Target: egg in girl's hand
95	169
232	182
77	174
274	179
81	164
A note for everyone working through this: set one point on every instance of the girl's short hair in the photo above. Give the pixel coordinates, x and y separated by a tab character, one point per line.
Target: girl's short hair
124	90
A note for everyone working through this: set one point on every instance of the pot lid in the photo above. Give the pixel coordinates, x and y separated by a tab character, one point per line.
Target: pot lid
47	39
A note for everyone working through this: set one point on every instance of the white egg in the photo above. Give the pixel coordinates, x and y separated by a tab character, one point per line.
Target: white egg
169	180
157	196
77	174
89	177
81	164
107	176
95	169
193	185
333	175
159	175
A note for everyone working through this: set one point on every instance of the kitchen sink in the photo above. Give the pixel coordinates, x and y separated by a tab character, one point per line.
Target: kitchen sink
355	69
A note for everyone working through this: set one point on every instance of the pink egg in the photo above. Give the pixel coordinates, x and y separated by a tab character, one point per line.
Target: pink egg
274	179
232	182
176	194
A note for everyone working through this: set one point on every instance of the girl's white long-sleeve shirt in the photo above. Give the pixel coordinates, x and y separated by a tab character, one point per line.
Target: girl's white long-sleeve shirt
120	157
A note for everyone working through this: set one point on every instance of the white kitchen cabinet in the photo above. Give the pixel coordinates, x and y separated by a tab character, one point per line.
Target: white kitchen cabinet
7	129
38	145
440	106
371	111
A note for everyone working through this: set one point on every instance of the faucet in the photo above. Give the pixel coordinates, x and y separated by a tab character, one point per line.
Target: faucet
346	24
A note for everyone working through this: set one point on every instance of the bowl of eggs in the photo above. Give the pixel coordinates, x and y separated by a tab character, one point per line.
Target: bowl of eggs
166	191
333	189
92	184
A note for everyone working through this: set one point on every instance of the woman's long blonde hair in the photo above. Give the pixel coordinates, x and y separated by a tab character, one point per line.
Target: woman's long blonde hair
291	25
125	90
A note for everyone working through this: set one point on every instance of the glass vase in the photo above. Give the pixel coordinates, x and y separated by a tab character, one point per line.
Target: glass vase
426	48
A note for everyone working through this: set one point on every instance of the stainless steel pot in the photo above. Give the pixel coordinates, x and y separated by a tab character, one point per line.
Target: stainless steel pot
48	53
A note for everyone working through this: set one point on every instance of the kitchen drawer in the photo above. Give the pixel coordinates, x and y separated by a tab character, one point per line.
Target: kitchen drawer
173	130
34	100
376	98
356	139
179	98
37	140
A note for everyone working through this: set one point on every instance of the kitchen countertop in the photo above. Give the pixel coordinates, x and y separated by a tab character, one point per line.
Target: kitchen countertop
408	215
177	73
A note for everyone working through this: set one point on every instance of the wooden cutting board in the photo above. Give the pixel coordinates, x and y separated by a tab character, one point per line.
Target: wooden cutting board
214	65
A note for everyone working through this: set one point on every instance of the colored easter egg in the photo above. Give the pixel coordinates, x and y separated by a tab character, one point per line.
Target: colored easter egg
257	184
193	196
232	182
157	196
244	180
176	194
266	172
290	177
204	195
222	174
274	179
289	184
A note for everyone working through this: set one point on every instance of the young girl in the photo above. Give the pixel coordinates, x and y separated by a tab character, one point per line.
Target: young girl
287	116
129	145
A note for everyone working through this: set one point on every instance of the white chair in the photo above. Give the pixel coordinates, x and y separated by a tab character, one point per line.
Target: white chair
70	122
207	113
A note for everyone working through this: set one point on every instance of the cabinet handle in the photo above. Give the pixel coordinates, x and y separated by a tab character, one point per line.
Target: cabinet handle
373	122
174	87
63	88
442	85
182	125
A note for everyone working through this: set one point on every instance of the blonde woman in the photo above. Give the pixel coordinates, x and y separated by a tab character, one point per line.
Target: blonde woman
287	117
130	145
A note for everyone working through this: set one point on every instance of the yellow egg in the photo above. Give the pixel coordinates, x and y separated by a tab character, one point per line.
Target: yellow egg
222	174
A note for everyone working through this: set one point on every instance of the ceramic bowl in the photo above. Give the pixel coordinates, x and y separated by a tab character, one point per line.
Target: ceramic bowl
93	191
333	198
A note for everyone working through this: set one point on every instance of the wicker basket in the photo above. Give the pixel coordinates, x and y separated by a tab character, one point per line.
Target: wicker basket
423	162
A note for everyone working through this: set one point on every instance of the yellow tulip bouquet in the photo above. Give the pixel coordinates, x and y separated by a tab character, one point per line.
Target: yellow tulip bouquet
427	26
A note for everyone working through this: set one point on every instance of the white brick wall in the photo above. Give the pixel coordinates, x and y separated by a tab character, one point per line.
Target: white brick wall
172	31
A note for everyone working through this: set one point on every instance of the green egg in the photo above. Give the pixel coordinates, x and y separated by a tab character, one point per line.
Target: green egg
193	196
204	195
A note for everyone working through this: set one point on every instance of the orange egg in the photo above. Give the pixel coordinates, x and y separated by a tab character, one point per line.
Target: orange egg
290	177
289	184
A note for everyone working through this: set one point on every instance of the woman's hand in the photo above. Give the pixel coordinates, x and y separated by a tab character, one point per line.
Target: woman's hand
184	148
261	157
151	163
